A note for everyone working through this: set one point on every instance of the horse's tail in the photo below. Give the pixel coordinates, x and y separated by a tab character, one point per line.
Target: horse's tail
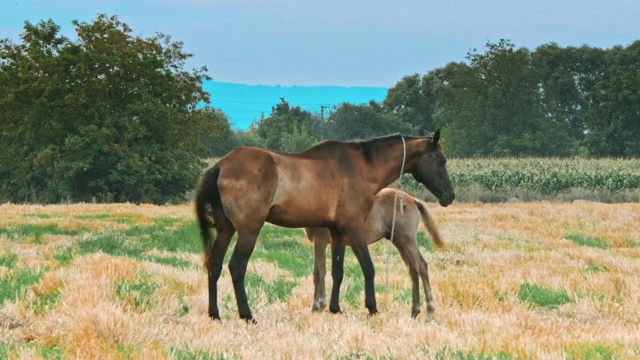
427	220
207	198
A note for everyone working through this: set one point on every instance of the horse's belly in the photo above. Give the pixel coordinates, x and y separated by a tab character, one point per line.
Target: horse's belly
299	215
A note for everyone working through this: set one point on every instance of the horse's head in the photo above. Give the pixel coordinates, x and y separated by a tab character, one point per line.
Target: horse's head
431	171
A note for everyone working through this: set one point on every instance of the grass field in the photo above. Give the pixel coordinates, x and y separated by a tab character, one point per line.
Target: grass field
515	281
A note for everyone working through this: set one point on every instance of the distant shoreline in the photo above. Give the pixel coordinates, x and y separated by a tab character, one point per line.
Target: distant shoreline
245	103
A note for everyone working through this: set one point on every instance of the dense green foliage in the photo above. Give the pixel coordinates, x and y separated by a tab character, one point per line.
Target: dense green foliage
108	117
502	102
115	117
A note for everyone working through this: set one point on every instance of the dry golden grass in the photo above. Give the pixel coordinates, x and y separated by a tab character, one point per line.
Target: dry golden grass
491	251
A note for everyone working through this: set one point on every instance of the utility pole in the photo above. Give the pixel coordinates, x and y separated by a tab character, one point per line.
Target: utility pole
322	107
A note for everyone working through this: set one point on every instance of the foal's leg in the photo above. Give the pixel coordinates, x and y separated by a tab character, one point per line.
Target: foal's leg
238	268
413	273
413	253
319	270
224	233
423	270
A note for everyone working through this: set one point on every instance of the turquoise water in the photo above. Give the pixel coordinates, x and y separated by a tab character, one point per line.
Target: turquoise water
245	103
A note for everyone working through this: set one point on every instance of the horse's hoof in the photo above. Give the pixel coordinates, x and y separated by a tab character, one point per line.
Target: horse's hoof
373	312
335	311
215	317
415	313
251	321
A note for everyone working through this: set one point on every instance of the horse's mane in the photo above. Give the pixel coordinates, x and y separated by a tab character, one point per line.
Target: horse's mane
368	147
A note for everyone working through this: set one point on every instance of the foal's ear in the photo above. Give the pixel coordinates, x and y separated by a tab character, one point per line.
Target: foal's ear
436	137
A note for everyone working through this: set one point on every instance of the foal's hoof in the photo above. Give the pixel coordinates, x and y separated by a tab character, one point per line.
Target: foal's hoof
429	317
415	313
373	312
214	317
335	310
431	308
318	306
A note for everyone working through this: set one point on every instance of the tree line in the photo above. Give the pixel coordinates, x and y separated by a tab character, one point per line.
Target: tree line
116	117
502	101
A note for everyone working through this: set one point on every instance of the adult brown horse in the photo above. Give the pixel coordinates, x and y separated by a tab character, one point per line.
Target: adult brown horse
251	186
384	222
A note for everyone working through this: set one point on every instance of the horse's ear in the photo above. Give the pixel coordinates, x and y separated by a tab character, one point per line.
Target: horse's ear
436	137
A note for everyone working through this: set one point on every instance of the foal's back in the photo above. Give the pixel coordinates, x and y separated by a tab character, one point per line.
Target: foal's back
409	213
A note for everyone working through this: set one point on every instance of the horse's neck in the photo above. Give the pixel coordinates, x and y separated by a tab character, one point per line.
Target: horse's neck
391	160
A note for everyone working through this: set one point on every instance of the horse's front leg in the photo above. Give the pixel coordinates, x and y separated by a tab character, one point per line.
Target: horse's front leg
361	251
337	270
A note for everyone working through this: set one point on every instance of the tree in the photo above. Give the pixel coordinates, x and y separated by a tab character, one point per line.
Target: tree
613	119
287	128
351	122
413	100
220	139
494	108
567	76
110	117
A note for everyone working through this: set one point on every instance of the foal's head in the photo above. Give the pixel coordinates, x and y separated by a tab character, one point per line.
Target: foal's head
431	171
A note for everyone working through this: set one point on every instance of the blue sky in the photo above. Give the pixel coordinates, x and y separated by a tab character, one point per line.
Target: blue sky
341	42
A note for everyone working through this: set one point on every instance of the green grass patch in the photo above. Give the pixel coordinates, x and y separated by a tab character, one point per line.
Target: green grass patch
631	243
63	255
287	248
170	261
591	351
14	285
122	219
448	354
136	295
542	297
352	289
136	241
593	269
53	352
44	302
8	260
39	215
424	242
582	240
278	290
24	231
186	353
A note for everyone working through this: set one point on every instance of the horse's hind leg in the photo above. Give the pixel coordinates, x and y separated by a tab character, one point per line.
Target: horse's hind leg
224	233
238	268
320	242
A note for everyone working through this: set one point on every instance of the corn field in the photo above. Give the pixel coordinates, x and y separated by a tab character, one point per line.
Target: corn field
493	180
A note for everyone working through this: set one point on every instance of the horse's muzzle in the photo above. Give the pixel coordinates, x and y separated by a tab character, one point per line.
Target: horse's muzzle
446	199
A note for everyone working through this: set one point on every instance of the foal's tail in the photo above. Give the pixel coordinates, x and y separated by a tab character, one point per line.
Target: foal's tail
207	198
427	220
